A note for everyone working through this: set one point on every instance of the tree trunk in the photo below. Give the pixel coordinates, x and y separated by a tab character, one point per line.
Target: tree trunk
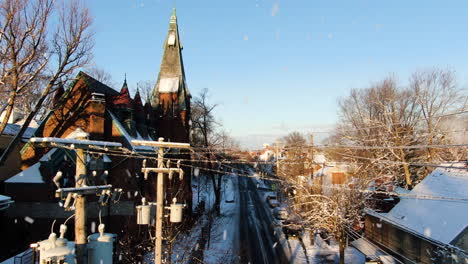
409	182
9	110
217	191
402	153
342	249
28	120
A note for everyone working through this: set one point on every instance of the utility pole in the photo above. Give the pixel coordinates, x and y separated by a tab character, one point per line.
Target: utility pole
277	158
311	156
80	204
79	142
160	186
159	207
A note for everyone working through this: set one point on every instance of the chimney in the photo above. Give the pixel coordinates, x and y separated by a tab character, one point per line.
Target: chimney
96	111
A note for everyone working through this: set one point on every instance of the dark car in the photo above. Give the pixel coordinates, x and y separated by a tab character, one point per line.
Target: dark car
292	228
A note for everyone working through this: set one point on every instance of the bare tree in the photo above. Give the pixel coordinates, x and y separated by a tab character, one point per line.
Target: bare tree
295	140
334	214
146	89
436	94
23	47
65	50
204	135
384	116
296	151
101	75
203	121
223	140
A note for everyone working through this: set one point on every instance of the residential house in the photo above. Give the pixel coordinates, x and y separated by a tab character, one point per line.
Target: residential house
430	223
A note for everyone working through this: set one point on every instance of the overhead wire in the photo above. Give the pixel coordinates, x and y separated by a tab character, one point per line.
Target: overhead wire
398	123
248	175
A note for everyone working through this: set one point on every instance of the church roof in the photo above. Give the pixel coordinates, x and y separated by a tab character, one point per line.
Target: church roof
138	105
94	85
123	99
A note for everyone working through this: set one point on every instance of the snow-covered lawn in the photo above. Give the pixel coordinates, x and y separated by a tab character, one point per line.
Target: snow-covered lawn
320	252
223	245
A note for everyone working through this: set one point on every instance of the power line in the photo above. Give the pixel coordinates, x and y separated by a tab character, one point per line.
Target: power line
401	162
140	156
380	147
397	123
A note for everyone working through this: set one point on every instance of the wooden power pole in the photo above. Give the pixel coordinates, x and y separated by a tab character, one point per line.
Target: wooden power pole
277	158
311	156
160	186
80	205
79	142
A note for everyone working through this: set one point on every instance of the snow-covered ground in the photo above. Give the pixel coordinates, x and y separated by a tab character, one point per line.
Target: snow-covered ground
223	245
320	252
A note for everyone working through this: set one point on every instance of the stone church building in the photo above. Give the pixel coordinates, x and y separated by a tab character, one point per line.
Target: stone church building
106	115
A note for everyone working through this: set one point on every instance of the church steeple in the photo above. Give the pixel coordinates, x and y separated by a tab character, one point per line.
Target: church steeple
173	17
170	97
171	77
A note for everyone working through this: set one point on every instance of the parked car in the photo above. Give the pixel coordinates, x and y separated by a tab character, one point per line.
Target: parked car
292	228
273	203
229	197
271	197
280	213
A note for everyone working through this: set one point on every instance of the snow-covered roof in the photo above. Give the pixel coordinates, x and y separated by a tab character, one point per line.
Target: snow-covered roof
13	129
319	158
5	202
370	250
15	122
168	85
4	198
48	155
127	136
75	141
30	175
437	207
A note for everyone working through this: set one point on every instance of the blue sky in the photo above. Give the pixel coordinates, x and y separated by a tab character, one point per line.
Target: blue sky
278	66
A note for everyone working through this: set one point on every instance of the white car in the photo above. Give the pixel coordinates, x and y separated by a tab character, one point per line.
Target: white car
273	203
280	213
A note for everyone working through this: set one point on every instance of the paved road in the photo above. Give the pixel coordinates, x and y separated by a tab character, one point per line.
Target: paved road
257	241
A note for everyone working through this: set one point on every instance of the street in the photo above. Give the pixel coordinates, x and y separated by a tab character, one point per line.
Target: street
257	241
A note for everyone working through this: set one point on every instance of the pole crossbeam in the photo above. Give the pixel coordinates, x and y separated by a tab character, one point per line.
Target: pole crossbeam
82	190
76	143
161	145
79	141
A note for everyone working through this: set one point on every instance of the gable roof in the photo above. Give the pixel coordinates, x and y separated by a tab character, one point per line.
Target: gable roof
95	86
437	208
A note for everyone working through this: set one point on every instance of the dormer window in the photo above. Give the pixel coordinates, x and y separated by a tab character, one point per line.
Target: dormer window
171	39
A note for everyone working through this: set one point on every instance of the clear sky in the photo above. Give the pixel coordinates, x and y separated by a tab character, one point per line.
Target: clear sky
277	66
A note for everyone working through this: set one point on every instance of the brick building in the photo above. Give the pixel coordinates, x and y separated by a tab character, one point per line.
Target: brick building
106	115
